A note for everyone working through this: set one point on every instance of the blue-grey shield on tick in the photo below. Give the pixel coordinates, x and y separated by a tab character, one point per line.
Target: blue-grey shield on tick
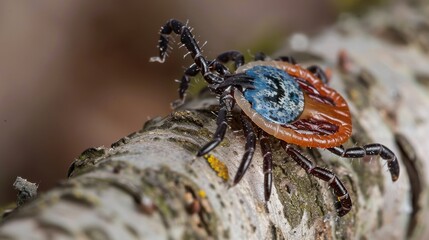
276	95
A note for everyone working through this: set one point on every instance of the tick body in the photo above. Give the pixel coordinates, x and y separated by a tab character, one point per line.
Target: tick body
304	112
278	98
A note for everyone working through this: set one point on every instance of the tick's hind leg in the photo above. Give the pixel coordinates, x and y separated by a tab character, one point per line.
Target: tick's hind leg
344	203
374	149
268	163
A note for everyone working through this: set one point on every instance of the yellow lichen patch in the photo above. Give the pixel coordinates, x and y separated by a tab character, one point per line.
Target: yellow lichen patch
217	166
202	194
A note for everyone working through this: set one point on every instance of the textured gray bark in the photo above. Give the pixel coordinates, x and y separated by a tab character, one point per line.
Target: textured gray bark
150	185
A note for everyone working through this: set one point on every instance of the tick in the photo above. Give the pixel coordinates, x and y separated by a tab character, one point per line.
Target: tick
278	98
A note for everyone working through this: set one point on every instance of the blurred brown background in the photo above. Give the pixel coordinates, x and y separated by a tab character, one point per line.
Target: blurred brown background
75	74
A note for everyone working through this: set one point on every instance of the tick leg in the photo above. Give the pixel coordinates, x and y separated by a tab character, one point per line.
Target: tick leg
268	163
188	40
192	71
235	56
260	56
215	65
240	79
226	103
288	59
374	149
250	135
319	73
344	203
316	70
